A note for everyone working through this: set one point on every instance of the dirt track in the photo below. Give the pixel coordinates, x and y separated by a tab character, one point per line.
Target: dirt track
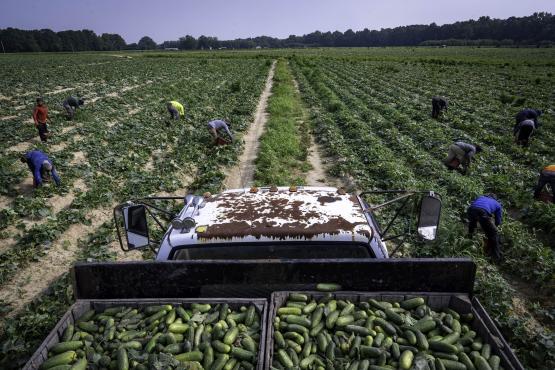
242	174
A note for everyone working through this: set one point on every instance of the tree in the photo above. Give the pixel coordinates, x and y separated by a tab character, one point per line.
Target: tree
187	43
146	43
113	41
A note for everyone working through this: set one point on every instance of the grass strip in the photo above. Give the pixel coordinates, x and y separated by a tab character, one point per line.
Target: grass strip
284	145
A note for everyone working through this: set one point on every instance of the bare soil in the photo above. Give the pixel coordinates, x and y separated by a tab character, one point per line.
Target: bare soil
5	118
59	89
242	174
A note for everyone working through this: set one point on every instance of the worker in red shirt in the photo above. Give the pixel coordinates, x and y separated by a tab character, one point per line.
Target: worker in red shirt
40	116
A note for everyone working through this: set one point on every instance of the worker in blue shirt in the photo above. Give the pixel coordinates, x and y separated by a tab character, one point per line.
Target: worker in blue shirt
528	113
481	211
41	167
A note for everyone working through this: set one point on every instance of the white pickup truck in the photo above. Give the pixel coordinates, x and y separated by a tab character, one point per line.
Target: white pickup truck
276	223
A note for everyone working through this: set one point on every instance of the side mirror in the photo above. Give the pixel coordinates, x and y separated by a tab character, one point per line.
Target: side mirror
428	217
136	227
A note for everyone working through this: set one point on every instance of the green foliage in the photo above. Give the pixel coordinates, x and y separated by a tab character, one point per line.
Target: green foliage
283	146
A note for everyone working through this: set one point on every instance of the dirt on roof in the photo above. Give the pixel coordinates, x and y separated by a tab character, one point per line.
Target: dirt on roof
281	215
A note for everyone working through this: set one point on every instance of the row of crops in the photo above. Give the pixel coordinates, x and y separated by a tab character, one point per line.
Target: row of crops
122	145
374	118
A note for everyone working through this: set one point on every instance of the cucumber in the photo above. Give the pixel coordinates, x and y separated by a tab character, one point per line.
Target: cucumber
405	361
463	357
486	351
199	307
386	326
284	359
189	356
68	333
60	359
412	303
223	347
494	361
443	347
425	325
66	346
370	352
316	317
309	308
344	320
298	297
328	287
394	316
88	326
242	354
122	360
289	311
220	362
249	317
177	328
452	365
81	364
299	320
231	335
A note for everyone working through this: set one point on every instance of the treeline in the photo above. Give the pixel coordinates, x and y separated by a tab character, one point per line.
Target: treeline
14	40
537	29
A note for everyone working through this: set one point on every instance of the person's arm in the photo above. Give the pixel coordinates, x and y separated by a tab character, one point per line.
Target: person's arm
35	118
37	177
228	132
55	176
498	216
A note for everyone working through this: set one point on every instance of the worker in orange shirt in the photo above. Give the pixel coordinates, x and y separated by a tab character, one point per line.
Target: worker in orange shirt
40	116
547	176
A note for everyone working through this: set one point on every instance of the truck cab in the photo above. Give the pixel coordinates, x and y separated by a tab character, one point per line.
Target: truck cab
272	223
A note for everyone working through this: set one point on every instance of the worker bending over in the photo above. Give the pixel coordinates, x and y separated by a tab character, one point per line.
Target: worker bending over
40	117
175	109
524	131
41	167
216	127
528	113
461	154
481	211
438	105
71	104
547	176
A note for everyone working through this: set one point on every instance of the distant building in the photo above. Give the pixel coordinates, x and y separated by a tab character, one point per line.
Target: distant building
258	47
171	49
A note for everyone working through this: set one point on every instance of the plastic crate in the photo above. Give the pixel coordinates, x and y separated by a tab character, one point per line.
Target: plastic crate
482	324
82	306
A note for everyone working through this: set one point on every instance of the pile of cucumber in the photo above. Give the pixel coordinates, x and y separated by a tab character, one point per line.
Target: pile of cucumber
196	336
329	333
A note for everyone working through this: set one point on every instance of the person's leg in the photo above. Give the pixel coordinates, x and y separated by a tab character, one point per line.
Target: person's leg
450	156
543	180
473	220
42	132
493	238
435	109
213	132
173	112
551	180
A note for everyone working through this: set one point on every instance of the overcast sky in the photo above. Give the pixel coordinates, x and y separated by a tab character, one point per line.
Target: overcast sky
228	19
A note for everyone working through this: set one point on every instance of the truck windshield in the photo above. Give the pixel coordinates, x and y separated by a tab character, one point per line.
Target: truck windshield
273	251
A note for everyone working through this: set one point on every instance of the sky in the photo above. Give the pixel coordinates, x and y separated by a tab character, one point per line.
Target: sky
229	19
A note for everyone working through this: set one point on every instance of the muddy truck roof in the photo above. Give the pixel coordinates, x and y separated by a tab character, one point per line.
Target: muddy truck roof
306	213
270	222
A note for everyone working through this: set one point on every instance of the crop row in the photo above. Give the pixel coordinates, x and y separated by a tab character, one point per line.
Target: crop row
524	254
377	155
132	155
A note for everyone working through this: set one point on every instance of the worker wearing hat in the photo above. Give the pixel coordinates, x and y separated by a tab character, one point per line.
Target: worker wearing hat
41	167
547	176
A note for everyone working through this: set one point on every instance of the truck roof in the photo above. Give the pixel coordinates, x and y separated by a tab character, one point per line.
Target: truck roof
242	215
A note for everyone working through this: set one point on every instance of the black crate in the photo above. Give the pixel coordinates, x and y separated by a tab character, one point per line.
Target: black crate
482	324
82	306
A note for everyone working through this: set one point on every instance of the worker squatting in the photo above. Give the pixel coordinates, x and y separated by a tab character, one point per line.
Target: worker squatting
486	210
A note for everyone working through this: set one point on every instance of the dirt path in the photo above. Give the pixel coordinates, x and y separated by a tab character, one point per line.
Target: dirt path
242	174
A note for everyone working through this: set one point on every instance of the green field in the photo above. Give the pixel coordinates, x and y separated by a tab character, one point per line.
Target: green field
369	110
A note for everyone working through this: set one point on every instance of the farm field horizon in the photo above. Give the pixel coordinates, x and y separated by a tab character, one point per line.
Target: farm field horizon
365	112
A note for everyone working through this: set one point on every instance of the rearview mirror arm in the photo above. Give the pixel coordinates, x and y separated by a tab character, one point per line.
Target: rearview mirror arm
397	212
